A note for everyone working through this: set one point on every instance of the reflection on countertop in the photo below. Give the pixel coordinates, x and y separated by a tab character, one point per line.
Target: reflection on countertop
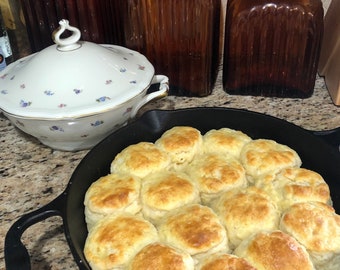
33	175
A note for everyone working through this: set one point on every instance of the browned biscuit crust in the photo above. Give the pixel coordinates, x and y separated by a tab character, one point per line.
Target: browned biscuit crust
274	250
194	228
161	257
116	239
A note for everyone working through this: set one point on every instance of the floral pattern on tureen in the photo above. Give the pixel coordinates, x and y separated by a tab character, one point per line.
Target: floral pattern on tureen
74	93
63	81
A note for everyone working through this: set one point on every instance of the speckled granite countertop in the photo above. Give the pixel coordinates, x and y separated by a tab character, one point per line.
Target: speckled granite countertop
32	175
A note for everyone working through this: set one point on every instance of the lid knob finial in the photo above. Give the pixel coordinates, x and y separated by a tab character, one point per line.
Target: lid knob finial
70	43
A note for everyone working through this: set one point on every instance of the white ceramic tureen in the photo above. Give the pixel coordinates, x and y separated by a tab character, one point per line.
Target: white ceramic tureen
74	93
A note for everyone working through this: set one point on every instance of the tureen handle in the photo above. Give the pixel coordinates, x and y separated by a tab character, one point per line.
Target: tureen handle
163	90
69	43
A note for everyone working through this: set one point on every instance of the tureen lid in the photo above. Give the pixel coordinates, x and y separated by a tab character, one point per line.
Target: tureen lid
73	78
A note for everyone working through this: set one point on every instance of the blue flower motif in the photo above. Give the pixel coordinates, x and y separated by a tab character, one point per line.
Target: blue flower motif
77	91
133	82
97	123
48	93
122	70
4	92
56	128
24	103
102	99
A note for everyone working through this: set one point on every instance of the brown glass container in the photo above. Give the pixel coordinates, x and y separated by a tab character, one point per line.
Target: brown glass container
42	18
272	48
179	37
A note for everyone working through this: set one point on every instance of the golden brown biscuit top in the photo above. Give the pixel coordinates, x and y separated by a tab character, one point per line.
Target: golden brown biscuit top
215	172
181	143
248	207
111	192
179	138
194	228
226	262
263	156
276	250
225	140
140	159
166	190
114	239
315	225
245	212
159	256
303	184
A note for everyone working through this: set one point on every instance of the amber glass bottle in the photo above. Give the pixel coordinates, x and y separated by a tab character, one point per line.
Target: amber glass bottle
272	47
42	18
179	37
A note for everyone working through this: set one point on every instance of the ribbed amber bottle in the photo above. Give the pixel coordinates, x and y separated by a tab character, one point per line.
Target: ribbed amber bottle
179	37
272	48
42	18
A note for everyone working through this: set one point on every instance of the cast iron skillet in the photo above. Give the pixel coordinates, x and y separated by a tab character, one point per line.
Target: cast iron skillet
315	153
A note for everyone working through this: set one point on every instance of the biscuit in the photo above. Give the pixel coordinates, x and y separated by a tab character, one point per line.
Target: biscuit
225	261
316	226
215	174
181	143
274	250
116	239
112	193
294	185
225	141
262	156
165	191
187	201
246	212
195	229
158	256
140	159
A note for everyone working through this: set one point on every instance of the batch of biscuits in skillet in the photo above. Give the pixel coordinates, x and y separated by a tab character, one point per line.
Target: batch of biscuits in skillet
219	200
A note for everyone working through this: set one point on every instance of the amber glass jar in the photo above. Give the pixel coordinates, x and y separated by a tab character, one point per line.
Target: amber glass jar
42	18
179	37
272	47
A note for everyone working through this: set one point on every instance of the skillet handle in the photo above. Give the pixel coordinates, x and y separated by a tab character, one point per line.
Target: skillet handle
331	137
16	254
